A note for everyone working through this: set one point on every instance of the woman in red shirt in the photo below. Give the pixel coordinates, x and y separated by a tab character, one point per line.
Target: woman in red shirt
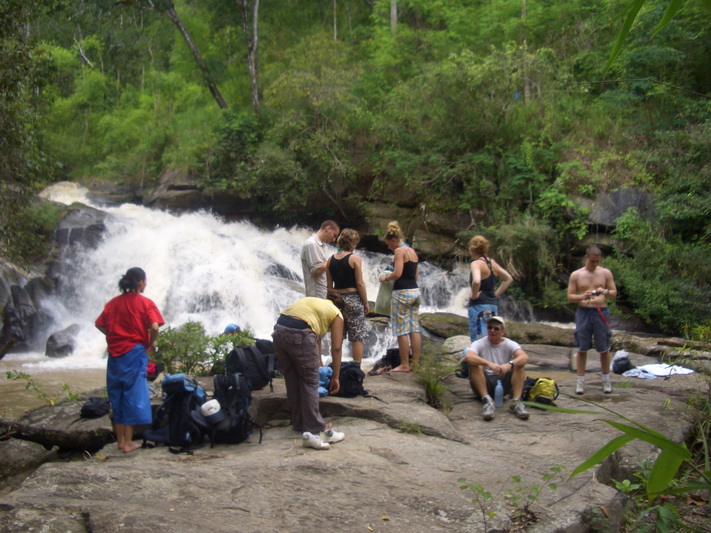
130	322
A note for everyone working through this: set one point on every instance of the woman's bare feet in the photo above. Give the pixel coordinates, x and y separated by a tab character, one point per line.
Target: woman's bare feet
401	368
131	446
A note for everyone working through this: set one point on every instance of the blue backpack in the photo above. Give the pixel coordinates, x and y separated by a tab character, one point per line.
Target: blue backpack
173	422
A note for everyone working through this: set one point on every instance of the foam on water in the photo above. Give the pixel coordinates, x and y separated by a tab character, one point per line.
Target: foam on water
200	268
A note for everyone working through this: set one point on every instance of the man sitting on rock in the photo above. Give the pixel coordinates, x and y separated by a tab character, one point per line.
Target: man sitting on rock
495	358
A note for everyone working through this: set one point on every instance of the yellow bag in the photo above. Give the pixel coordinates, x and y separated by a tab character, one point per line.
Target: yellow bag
541	390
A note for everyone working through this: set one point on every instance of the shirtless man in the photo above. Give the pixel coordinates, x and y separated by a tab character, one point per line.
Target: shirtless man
590	287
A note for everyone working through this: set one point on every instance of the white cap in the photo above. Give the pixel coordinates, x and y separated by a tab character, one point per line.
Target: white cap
212	411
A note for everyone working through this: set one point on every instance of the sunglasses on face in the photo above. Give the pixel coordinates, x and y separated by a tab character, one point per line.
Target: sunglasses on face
494	328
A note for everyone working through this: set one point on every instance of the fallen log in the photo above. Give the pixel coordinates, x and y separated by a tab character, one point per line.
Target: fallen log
67	441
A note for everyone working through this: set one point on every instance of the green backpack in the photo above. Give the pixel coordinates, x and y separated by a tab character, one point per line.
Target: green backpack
540	390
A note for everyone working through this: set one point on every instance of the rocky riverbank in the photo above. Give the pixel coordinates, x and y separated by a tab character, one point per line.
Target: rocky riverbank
397	469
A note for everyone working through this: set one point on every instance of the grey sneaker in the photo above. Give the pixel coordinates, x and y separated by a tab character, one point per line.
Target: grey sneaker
519	410
310	440
606	384
489	410
332	437
580	386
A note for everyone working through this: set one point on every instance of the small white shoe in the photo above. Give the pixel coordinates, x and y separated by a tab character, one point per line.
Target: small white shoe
580	386
489	411
332	436
314	441
606	384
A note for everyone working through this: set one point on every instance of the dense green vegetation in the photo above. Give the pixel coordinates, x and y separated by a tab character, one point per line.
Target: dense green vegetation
24	221
503	109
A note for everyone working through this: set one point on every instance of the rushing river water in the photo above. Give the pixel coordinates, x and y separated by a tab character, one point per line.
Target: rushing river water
199	268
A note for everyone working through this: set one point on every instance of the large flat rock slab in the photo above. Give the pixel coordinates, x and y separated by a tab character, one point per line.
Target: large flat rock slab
380	478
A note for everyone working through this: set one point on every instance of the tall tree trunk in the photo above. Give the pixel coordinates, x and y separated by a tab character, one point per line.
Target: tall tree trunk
335	22
393	16
252	40
167	8
526	81
175	19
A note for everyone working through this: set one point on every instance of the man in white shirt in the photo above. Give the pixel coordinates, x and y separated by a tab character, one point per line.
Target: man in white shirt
314	257
495	358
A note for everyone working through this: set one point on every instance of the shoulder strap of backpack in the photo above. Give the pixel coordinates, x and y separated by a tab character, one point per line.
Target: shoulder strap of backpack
366	394
264	369
241	358
271	368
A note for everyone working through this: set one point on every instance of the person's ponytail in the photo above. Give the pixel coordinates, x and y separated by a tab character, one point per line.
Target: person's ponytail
129	281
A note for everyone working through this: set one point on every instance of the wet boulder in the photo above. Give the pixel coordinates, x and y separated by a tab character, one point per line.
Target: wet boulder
62	343
18	318
84	226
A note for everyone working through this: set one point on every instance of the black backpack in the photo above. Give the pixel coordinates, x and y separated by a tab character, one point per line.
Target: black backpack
351	379
622	365
235	396
266	347
257	368
173	422
463	370
95	407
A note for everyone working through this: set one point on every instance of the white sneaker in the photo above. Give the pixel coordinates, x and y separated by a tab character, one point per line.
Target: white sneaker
314	441
606	384
519	410
580	386
489	411
332	437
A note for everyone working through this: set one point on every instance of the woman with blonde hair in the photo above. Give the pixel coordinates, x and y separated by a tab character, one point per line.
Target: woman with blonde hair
344	275
405	303
483	276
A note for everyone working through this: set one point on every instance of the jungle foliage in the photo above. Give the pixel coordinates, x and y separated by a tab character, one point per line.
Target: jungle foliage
506	110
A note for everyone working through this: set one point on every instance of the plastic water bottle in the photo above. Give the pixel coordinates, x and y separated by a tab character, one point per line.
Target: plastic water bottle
499	394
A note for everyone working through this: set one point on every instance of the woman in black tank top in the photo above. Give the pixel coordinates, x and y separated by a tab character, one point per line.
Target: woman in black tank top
483	277
344	274
405	305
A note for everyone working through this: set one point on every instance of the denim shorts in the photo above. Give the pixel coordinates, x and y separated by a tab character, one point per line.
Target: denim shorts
477	319
588	325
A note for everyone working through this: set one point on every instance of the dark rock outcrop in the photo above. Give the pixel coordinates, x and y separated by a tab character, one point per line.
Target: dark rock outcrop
62	343
18	317
178	190
608	206
84	226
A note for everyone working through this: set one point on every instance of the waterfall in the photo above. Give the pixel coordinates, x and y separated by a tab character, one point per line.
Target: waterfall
201	268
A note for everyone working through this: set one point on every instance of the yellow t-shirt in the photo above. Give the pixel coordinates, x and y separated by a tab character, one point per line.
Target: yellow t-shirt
316	312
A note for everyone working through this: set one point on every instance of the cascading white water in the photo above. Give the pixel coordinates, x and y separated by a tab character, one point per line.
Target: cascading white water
200	268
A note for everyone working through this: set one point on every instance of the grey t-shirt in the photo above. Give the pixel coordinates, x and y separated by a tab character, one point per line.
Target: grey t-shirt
500	353
313	254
